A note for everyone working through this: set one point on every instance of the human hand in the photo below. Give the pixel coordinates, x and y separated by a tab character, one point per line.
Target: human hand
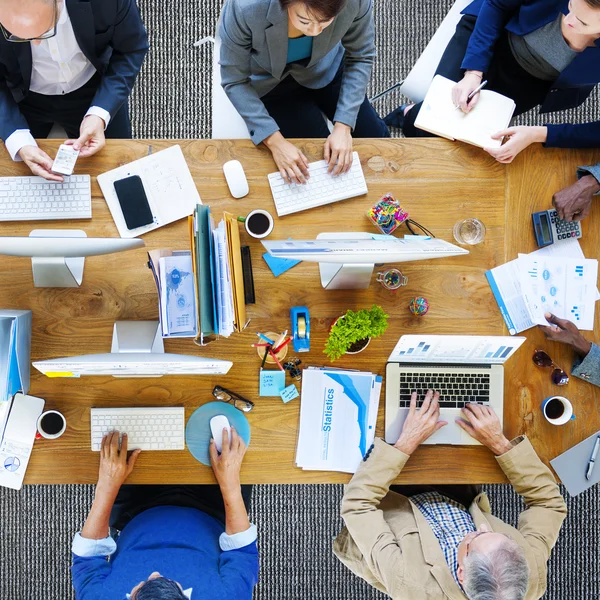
574	203
461	91
39	162
115	466
421	424
91	136
516	139
290	161
565	332
228	464
338	149
483	424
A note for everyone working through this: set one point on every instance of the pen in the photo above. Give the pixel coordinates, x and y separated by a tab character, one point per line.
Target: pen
265	338
593	459
264	357
475	91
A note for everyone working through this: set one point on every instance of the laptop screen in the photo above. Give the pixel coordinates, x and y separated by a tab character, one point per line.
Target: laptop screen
468	349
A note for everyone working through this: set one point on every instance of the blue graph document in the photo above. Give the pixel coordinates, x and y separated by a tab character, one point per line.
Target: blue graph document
338	412
565	287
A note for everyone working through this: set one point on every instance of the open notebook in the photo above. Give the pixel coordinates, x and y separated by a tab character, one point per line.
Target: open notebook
438	115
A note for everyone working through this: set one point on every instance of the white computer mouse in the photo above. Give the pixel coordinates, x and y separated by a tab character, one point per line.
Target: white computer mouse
217	424
236	178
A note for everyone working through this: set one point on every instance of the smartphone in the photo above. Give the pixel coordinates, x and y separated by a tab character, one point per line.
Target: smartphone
134	202
65	160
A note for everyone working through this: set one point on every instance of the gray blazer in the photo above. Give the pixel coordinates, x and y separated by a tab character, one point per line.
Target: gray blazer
254	41
588	369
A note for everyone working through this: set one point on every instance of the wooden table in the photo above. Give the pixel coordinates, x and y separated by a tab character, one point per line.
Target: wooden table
437	181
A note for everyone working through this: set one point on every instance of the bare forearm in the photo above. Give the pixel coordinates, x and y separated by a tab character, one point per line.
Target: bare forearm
236	516
97	523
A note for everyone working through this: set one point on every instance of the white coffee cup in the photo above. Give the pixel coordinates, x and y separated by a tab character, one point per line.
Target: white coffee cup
258	223
557	410
51	424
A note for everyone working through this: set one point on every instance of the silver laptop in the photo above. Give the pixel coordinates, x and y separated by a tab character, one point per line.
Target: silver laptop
463	368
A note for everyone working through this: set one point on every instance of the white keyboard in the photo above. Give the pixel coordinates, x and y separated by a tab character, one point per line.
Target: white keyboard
155	428
36	199
322	188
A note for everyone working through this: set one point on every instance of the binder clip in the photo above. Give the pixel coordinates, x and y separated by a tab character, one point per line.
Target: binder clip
300	328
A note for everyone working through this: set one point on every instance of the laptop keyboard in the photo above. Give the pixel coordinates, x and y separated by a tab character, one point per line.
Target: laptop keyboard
456	389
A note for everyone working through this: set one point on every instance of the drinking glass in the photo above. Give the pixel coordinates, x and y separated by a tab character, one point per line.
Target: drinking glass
469	231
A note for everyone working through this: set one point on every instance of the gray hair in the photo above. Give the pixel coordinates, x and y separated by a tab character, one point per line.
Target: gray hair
502	574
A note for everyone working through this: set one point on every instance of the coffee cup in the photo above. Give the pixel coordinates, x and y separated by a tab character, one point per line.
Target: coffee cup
259	223
557	410
51	425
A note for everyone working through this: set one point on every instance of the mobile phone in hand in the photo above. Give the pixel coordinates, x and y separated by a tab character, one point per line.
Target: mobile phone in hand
65	160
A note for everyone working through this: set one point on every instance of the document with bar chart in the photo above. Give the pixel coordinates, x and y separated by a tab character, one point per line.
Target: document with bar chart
445	349
564	287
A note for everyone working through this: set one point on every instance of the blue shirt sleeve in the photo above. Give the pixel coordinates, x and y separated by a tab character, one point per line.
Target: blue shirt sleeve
239	571
88	575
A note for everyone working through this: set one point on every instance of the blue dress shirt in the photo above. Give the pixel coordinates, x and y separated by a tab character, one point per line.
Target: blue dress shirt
299	48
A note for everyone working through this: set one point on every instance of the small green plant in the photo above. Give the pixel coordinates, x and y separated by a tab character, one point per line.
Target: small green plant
353	328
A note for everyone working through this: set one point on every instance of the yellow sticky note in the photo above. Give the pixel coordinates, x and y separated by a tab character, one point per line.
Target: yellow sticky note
60	374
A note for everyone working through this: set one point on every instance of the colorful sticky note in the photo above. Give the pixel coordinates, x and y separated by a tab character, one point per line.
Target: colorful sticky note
272	383
289	393
60	374
279	265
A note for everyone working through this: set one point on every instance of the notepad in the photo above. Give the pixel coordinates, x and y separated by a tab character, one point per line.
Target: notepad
439	116
272	383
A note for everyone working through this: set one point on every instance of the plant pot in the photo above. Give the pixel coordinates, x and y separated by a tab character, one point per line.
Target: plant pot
358	346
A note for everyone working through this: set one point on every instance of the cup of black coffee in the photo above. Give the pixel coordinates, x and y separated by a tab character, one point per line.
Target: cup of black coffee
259	223
557	410
51	424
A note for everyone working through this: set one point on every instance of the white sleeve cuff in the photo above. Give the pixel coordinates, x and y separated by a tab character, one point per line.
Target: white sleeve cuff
99	112
16	140
86	547
238	540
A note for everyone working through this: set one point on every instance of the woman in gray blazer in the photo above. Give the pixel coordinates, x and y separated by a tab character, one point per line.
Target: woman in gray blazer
285	63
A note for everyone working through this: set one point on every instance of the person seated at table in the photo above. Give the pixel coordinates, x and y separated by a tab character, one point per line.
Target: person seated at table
70	63
426	542
175	542
587	354
574	203
537	52
285	63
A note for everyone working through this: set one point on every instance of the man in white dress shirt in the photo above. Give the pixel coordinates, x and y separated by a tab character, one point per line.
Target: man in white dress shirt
71	62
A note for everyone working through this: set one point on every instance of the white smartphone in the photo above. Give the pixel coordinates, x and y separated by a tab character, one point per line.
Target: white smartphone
65	160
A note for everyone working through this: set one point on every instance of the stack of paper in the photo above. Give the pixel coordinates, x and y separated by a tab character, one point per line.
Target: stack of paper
338	413
201	290
556	279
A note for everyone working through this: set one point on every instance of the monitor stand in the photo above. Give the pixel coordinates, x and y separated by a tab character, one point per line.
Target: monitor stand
347	276
57	272
143	337
137	336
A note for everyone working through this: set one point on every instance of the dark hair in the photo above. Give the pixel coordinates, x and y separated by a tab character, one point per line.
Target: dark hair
324	10
593	4
160	589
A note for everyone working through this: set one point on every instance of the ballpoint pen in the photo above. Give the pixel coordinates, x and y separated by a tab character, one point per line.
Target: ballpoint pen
593	459
475	91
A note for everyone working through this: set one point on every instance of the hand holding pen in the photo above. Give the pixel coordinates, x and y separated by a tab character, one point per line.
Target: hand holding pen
465	93
475	91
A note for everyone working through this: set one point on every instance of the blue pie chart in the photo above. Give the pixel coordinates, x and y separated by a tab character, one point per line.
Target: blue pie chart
197	430
12	463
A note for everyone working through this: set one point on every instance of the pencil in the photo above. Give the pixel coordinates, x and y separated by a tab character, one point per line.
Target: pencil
280	340
275	358
282	346
259	345
267	349
264	337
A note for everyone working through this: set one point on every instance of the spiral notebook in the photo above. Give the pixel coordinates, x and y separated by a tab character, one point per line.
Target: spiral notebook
439	116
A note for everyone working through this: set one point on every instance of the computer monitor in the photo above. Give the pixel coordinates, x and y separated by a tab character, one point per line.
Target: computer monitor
346	260
137	351
58	255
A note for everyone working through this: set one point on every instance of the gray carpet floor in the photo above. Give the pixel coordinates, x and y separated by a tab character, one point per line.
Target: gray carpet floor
296	523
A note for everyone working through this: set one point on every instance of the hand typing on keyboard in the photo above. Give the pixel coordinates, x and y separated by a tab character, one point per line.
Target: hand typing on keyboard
291	162
39	162
420	424
483	424
338	149
115	466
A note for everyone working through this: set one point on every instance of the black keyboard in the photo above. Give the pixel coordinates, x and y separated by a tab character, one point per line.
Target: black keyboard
456	389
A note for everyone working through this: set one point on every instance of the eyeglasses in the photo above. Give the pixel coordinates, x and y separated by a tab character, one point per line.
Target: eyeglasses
220	393
9	37
558	376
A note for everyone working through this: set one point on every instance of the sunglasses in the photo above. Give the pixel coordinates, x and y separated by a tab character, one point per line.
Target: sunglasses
558	376
225	395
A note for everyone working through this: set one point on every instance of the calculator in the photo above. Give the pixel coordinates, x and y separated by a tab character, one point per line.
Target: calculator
548	228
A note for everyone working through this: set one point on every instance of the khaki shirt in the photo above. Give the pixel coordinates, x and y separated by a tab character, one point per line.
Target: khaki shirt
388	542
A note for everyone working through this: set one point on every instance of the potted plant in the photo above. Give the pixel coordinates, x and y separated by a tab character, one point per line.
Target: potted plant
352	332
